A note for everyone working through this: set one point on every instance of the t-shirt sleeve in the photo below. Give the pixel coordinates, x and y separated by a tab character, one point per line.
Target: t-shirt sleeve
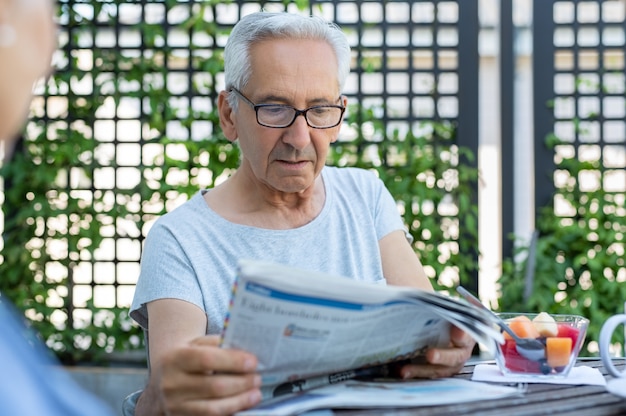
387	216
166	272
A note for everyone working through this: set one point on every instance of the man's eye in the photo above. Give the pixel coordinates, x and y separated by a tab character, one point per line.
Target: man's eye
275	111
320	111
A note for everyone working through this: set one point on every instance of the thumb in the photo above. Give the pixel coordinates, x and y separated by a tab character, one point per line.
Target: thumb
207	340
460	338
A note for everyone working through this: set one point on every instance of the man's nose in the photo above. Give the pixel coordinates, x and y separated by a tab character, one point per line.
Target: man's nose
298	134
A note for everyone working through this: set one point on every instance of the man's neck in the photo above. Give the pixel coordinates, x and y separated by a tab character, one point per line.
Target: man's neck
253	203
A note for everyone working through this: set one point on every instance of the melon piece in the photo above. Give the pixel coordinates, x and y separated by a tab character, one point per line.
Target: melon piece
546	325
558	351
523	327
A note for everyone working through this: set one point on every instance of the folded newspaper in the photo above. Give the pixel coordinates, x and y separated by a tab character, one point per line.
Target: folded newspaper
355	394
304	326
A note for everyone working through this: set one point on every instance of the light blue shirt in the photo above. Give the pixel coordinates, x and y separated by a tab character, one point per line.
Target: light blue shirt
192	253
31	381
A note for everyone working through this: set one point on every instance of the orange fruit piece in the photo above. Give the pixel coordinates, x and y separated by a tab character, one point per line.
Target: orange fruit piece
523	327
558	351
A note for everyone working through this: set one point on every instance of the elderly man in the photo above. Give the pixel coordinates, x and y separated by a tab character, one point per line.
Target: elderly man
283	105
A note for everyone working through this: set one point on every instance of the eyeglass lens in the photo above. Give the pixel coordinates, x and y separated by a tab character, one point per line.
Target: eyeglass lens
283	116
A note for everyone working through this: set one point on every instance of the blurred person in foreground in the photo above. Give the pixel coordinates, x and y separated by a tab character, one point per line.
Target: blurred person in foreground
31	381
283	104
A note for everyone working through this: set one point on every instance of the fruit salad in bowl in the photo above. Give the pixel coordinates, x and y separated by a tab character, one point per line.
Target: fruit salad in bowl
562	335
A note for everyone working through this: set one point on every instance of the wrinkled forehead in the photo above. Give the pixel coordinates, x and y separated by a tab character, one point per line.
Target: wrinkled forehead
306	63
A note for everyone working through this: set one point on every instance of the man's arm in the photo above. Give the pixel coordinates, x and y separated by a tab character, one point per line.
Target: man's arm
189	373
401	267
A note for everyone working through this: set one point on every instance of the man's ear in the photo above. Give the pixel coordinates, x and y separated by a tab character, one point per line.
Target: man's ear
227	115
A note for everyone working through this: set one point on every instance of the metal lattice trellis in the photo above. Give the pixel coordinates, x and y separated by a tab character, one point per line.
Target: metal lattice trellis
420	72
129	70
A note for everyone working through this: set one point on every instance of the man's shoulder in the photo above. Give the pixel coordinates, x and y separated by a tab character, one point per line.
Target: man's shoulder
350	173
184	211
351	176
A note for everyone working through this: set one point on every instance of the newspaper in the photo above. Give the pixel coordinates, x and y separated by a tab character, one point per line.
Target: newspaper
381	394
302	324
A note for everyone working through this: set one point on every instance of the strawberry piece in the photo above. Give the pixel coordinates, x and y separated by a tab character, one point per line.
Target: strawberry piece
568	331
515	362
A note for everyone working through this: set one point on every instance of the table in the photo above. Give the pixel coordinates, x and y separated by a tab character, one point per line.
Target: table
539	399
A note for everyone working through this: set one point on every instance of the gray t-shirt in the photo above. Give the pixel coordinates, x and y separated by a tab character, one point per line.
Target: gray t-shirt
191	253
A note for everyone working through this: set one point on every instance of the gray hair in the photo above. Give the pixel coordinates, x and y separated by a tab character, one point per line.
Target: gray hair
261	26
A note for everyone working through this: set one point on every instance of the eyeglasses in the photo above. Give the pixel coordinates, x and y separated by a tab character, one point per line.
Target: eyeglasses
279	116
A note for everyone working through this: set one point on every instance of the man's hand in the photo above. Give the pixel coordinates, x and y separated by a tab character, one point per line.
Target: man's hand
443	362
202	379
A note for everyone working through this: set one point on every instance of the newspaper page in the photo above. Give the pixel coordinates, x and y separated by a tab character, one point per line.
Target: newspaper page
303	324
380	394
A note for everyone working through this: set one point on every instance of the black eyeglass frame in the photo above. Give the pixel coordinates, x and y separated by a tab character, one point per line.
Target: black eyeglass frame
297	112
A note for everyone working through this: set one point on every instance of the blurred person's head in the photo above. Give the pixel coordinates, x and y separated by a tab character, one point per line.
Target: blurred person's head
258	27
27	41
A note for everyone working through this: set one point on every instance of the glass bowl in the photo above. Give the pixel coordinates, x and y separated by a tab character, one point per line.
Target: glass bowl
562	335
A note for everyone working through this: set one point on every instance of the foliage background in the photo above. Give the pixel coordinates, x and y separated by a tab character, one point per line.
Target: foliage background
58	223
577	262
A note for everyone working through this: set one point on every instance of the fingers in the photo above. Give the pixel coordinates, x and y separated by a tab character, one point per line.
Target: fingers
459	352
460	338
204	379
193	385
204	356
208	340
443	362
211	394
